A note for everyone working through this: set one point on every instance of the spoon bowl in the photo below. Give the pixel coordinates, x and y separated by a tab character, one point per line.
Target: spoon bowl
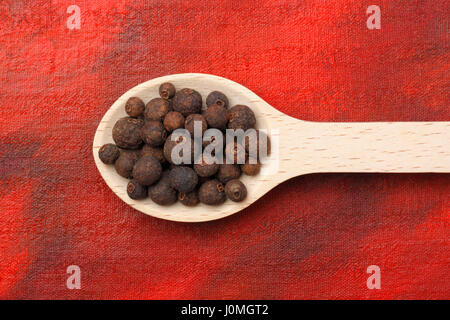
257	186
298	147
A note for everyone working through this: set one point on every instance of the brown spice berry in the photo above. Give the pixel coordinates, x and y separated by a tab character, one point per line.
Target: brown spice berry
189	199
169	145
173	120
212	192
191	120
207	167
156	109
136	191
162	193
157	152
216	116
153	133
135	154
217	97
147	170
216	138
134	107
235	190
262	142
235	153
241	117
187	101
167	90
228	172
109	153
126	133
183	179
125	163
251	169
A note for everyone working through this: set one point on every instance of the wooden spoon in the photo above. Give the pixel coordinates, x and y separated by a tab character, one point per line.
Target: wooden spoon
298	147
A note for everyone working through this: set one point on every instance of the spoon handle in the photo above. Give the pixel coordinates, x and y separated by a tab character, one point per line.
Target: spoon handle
374	146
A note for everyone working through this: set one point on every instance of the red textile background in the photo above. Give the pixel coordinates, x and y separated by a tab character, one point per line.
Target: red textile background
311	237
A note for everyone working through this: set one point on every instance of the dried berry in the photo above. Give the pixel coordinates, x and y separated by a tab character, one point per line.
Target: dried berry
183	179
217	97
134	107
125	163
187	101
235	153
212	192
169	145
235	190
156	109
167	90
207	167
136	190
127	133
135	154
153	133
189	199
251	169
262	142
109	153
213	137
147	170
191	120
162	193
157	152
173	120
216	116
241	117
228	172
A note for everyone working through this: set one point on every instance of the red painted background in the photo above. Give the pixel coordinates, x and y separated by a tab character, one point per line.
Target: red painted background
311	237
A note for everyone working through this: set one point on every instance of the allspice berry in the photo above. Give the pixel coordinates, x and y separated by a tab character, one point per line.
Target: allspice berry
173	120
183	179
157	152
216	116
134	107
167	90
241	117
126	133
207	167
235	153
212	192
250	169
235	190
125	163
169	145
189	199
153	133
261	141
109	153
216	138
156	109
218	98
228	172
147	170
191	120
187	101
135	153
162	193
136	191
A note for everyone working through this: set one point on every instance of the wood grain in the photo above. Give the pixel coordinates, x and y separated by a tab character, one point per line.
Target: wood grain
298	147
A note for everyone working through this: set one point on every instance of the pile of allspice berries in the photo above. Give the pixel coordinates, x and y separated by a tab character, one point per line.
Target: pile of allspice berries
143	148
